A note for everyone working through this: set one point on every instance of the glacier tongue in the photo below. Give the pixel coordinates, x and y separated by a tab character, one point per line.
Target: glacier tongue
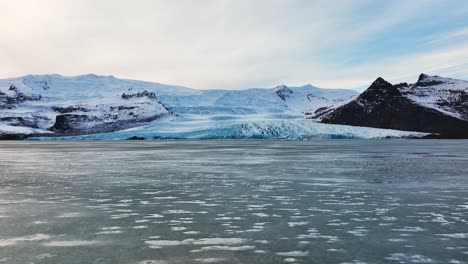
242	127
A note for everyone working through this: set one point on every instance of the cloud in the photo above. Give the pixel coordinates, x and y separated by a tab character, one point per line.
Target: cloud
450	61
232	43
460	34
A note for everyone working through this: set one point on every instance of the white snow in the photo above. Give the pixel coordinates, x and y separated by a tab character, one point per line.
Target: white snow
444	90
7	129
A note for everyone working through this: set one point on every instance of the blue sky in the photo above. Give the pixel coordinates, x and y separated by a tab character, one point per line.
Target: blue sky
235	44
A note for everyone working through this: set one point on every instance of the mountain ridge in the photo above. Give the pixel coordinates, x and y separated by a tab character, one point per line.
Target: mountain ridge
77	106
433	104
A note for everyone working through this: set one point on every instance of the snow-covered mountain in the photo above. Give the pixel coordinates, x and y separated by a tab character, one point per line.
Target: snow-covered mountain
292	101
56	105
433	104
446	95
105	107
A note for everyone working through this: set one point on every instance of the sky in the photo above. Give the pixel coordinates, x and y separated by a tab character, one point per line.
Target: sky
237	44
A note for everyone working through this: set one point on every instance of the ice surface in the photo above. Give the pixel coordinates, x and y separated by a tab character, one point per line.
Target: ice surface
72	243
5	242
271	201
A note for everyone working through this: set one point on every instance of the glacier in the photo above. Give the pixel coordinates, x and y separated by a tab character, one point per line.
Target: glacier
242	127
55	107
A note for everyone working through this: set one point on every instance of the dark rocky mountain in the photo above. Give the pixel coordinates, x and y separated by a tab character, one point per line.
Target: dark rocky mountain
433	104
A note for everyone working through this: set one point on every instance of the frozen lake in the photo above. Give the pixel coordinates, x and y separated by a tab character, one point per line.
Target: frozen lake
163	202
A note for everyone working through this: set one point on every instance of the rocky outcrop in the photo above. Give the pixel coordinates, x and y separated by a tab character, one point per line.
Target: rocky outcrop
283	92
13	96
144	94
71	123
69	109
32	122
76	124
443	94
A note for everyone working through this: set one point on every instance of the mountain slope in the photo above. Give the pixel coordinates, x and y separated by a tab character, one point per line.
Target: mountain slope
433	104
446	95
75	105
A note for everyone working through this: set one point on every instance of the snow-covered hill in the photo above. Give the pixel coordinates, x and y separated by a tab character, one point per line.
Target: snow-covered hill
75	105
432	104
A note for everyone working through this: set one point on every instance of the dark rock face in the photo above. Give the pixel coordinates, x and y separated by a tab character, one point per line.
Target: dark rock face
149	95
425	80
32	122
136	138
459	135
76	124
383	105
9	101
88	119
311	96
283	92
13	137
69	109
121	107
70	122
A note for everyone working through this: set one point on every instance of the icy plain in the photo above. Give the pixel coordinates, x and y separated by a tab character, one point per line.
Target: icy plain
164	202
